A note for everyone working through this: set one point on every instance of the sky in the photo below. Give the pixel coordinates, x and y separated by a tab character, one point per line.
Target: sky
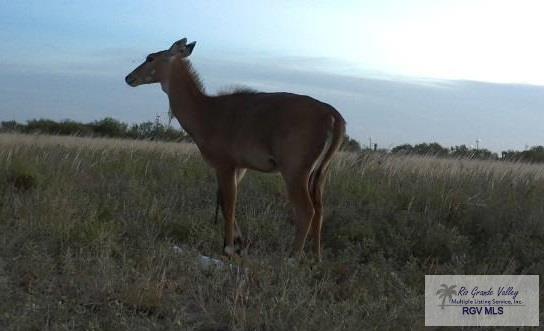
399	71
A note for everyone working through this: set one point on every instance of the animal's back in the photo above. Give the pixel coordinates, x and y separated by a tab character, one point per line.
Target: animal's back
272	125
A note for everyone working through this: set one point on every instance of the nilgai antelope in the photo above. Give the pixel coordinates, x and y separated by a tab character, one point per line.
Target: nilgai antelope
292	134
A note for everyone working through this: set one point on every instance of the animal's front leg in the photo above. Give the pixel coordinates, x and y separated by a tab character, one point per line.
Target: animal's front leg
239	243
226	177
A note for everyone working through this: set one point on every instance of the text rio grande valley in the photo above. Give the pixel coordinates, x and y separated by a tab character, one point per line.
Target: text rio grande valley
486	306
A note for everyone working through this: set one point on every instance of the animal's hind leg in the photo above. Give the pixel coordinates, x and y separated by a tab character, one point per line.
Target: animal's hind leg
316	192
297	188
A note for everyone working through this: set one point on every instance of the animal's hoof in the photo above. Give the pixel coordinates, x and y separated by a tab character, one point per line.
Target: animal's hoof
229	251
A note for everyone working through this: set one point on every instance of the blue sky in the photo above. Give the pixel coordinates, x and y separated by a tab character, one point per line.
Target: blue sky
400	71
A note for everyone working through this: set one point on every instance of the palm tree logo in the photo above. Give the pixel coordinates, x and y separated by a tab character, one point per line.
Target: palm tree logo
445	292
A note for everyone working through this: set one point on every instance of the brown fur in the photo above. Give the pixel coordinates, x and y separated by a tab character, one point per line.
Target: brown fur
269	132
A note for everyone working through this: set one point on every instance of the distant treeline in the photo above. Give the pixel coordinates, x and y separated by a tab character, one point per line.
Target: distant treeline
109	127
534	154
436	149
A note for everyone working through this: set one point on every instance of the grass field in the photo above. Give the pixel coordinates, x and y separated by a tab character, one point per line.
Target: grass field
87	228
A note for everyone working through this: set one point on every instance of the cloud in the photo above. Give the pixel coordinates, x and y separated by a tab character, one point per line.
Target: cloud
392	110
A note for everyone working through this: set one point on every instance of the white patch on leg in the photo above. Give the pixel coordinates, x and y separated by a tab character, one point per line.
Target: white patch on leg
229	250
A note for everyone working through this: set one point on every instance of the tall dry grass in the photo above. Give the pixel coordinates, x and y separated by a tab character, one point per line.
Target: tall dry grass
87	228
14	140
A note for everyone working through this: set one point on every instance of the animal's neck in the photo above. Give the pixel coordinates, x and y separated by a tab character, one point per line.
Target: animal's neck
187	98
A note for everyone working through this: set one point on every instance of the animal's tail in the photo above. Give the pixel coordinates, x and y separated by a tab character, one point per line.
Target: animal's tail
320	172
339	132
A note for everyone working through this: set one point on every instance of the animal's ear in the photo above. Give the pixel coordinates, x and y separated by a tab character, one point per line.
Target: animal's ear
189	48
178	46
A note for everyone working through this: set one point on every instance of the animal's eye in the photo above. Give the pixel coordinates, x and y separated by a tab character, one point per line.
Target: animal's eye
149	58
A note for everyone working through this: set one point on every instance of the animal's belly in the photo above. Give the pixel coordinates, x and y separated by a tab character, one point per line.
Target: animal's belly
259	162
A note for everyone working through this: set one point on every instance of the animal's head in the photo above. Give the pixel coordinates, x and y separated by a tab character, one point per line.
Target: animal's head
156	66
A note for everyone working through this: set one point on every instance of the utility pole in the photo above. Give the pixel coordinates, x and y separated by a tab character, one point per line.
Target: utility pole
477	143
370	143
157	123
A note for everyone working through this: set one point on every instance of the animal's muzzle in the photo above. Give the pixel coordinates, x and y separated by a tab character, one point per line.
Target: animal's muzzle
130	80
